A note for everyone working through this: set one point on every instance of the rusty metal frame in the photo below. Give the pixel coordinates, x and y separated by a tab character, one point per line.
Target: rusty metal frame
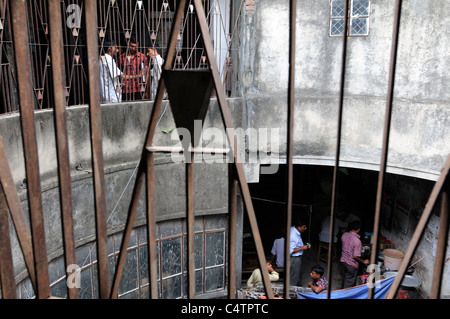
387	124
17	214
7	278
147	167
26	98
338	149
290	145
62	141
96	147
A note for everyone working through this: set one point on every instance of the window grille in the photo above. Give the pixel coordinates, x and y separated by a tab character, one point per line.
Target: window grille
358	17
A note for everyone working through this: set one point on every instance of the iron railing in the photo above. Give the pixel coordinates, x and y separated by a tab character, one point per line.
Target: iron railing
148	21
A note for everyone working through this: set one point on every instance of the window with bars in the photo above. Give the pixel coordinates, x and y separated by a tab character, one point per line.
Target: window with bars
358	17
210	258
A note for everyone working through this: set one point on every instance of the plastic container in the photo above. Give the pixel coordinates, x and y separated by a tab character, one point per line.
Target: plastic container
393	258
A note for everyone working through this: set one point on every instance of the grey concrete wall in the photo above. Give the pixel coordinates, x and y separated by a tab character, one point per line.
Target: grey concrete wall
420	130
124	131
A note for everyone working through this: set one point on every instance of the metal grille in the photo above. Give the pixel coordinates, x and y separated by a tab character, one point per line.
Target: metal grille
148	21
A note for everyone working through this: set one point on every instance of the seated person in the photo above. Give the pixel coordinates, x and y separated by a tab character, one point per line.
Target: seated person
256	277
319	282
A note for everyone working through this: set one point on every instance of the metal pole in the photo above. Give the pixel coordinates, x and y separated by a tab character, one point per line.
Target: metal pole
439	262
7	278
19	16
97	149
17	214
151	227
338	148
62	143
387	124
232	234
290	145
190	210
147	166
228	123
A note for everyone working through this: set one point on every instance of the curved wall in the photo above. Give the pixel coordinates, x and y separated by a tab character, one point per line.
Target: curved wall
420	129
124	129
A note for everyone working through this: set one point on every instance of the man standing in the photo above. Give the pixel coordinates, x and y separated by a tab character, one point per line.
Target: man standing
133	64
110	75
155	68
351	255
296	249
278	250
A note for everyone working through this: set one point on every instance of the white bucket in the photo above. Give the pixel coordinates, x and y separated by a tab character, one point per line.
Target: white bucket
392	259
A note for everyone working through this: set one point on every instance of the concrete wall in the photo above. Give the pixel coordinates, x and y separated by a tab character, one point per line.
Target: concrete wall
124	130
420	129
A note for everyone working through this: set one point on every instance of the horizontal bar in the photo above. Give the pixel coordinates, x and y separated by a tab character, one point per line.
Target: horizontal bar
180	149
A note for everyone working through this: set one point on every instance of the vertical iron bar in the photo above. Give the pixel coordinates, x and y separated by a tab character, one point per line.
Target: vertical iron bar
8	282
232	234
62	143
387	124
24	80
439	261
97	152
127	233
147	166
290	145
443	178
151	227
17	214
338	148
228	124
190	210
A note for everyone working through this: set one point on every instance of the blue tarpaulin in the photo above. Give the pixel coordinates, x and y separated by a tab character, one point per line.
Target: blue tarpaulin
358	292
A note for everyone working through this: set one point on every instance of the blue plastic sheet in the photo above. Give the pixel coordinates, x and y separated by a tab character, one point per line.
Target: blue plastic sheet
358	292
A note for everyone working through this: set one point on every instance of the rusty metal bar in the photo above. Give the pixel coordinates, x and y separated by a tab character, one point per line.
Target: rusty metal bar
7	278
17	214
439	261
62	142
96	147
190	218
228	123
387	124
26	98
147	166
290	146
151	227
338	149
233	185
127	233
443	178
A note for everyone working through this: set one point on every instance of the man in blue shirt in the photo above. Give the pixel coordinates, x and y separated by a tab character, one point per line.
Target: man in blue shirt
296	248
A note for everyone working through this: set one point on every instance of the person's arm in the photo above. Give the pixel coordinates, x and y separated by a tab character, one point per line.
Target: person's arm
274	276
357	254
364	261
316	289
132	77
251	280
304	247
